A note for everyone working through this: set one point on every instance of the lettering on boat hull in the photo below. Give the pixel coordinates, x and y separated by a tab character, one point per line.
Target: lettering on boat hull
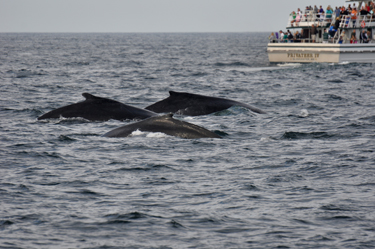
303	56
300	56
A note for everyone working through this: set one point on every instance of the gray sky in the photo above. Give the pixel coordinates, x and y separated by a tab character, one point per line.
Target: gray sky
149	15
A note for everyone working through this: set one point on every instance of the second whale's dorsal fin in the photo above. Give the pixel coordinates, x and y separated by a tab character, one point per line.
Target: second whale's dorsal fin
185	95
101	100
173	93
89	96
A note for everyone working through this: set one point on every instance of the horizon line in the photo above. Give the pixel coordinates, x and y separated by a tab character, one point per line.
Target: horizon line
134	32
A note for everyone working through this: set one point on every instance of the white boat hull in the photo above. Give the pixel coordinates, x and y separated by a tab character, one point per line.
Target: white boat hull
321	52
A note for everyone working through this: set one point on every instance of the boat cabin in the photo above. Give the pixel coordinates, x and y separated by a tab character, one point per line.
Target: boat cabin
327	35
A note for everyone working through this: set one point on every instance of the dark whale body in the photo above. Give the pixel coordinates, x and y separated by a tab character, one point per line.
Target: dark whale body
99	109
194	105
165	124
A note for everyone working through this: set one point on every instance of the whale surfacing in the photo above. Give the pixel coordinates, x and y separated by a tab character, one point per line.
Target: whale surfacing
165	124
194	105
98	109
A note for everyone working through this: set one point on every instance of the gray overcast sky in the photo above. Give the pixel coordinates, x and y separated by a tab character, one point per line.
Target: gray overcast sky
149	15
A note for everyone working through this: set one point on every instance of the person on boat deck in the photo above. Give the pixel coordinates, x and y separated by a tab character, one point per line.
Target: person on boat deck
367	7
307	13
299	12
353	39
363	38
321	12
314	31
363	11
294	15
277	36
354	14
337	12
329	13
297	37
353	33
281	36
343	38
332	31
337	23
299	16
342	11
316	12
322	18
285	38
347	21
272	37
290	36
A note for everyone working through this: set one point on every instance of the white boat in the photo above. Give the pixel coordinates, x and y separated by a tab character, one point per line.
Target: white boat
332	48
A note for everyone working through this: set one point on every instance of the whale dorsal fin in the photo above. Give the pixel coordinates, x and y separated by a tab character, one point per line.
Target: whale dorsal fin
89	96
173	93
185	94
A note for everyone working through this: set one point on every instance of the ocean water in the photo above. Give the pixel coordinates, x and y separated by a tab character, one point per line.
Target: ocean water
300	176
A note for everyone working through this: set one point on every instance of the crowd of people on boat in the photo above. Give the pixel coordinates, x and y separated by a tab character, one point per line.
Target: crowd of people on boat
364	37
298	36
332	20
319	14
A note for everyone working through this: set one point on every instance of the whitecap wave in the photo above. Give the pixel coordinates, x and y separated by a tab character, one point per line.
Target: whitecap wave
148	134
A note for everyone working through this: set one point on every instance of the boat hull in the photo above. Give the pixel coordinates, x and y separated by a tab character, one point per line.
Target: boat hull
320	52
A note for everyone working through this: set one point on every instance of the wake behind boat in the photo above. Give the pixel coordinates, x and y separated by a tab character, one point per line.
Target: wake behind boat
344	34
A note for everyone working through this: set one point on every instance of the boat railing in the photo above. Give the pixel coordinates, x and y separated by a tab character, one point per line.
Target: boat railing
336	37
287	40
323	20
322	23
308	19
365	21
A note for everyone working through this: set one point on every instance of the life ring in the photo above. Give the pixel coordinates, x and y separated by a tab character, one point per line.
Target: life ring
363	24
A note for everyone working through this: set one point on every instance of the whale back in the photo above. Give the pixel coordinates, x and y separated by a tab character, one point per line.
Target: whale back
165	124
95	108
194	104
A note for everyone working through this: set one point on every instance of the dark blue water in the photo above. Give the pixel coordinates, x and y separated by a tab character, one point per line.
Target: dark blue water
301	176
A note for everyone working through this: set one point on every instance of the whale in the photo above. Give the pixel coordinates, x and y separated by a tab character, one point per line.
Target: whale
95	108
165	124
190	104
